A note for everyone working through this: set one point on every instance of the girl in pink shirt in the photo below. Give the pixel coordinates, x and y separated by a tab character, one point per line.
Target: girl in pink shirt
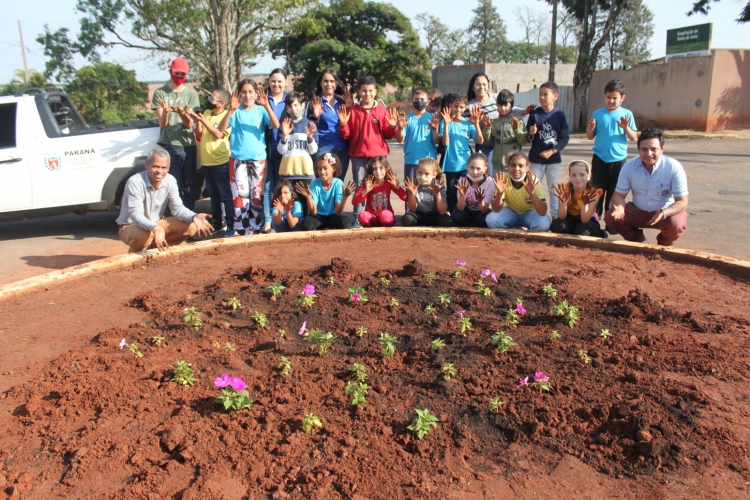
379	182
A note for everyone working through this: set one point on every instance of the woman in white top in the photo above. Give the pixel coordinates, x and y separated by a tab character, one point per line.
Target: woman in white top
479	95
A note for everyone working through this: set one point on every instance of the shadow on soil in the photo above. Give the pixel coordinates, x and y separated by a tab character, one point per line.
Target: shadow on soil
59	261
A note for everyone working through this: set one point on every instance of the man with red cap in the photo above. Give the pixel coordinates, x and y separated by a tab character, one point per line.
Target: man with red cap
172	103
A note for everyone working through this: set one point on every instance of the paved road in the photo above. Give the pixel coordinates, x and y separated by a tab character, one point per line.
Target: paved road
719	213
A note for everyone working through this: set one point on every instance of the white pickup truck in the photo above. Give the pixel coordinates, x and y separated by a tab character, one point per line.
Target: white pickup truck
52	162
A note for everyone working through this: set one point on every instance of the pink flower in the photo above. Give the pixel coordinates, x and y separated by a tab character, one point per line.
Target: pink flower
303	330
355	297
520	309
523	381
122	343
308	290
460	313
460	263
223	381
238	384
494	277
540	377
485	273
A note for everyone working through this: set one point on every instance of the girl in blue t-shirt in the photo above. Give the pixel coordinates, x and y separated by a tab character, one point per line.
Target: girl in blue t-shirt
326	196
286	214
247	143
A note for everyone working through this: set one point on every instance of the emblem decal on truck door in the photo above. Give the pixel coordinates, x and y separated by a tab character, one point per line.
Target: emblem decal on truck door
52	163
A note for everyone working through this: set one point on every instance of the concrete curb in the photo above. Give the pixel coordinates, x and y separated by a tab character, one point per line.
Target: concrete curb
734	267
679	135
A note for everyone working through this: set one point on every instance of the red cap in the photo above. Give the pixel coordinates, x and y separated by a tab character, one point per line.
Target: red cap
180	64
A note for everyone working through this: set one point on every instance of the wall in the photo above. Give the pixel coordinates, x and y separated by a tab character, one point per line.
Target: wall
697	93
514	77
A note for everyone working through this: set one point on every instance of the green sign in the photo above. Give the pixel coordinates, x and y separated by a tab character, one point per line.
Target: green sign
689	41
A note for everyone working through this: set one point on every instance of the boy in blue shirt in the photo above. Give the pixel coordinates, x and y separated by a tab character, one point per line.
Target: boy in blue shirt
612	127
549	134
418	131
456	132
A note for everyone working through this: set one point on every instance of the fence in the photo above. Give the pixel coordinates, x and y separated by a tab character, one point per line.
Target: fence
564	101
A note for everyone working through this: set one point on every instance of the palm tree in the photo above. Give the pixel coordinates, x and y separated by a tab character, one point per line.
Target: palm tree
36	79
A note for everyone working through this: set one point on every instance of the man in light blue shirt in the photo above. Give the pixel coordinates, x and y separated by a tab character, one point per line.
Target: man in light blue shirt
660	194
147	195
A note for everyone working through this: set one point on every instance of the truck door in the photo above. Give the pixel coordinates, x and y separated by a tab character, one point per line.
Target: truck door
15	169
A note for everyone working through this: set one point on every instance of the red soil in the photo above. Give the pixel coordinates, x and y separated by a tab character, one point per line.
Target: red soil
660	412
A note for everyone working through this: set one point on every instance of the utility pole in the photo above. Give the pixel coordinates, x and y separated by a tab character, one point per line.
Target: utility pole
553	43
23	53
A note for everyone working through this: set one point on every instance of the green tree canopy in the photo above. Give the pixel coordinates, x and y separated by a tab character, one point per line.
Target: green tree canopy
703	6
627	44
18	83
442	44
487	34
356	38
108	93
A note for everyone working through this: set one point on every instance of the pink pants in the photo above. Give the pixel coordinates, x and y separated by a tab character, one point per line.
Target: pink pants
384	219
635	219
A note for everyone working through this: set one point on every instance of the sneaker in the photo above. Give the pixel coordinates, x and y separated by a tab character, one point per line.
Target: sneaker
605	234
230	232
356	224
218	227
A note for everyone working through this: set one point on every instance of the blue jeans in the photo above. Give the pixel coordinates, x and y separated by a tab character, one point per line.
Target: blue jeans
217	182
553	177
269	183
508	219
182	166
468	218
284	227
342	152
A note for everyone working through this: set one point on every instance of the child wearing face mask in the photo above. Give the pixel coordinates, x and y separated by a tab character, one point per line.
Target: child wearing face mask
298	140
379	183
475	194
427	205
576	212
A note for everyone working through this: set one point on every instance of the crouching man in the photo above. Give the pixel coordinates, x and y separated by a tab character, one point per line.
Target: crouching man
147	195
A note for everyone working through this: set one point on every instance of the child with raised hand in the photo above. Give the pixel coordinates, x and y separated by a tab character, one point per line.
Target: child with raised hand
297	142
418	131
286	214
507	133
427	206
519	198
577	211
456	132
379	183
326	196
247	166
549	133
611	127
475	194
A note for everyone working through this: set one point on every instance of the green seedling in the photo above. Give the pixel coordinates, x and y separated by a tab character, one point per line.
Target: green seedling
448	371
331	280
136	350
555	335
584	356
511	318
183	373
232	400
605	334
464	324
217	345
361	331
285	366
423	423
234	303
358	294
569	312
549	291
282	333
358	391
157	339
483	289
229	347
387	345
384	281
430	277
311	423
393	303
323	340
437	344
276	289
495	404
359	372
429	309
503	341
260	319
192	317
444	299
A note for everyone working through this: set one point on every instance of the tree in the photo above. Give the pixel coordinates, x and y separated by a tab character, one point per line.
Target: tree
442	44
108	93
536	25
703	6
597	18
487	34
627	44
356	38
18	83
220	38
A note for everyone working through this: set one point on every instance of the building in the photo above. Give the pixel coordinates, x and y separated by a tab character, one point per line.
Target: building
514	77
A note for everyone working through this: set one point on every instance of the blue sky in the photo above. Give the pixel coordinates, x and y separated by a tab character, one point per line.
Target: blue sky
61	13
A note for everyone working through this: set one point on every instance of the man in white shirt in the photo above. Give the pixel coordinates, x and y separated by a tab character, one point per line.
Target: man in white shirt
660	194
147	195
